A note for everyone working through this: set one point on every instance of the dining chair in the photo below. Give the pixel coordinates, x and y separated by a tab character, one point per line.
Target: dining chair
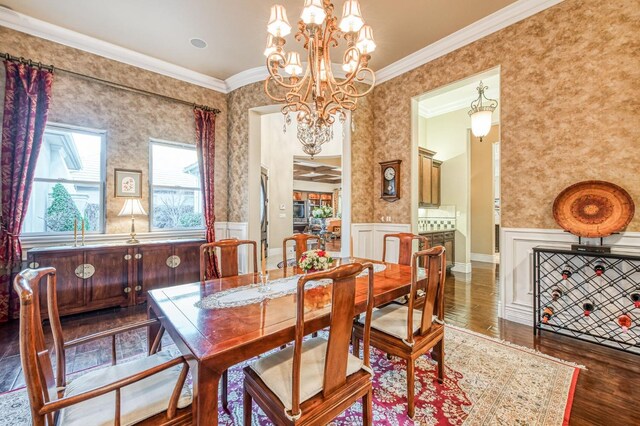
405	246
146	391
406	332
316	379
229	266
301	245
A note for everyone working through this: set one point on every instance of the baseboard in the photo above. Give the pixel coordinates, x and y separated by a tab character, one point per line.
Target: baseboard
464	268
486	258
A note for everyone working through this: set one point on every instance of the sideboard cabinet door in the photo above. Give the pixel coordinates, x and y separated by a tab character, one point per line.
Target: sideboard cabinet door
187	255
108	284
70	287
152	269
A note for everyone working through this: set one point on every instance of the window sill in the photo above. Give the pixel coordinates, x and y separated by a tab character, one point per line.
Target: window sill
49	240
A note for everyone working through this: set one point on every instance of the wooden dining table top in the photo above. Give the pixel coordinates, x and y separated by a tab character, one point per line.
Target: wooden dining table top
236	333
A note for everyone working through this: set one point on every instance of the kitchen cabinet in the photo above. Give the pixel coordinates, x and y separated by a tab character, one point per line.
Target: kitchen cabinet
429	179
447	239
103	276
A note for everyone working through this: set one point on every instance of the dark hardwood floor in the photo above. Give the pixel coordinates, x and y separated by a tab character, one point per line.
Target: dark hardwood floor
607	393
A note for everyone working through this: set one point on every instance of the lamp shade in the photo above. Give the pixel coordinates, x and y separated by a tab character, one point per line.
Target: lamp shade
351	21
132	207
481	123
278	25
313	12
271	46
365	43
293	65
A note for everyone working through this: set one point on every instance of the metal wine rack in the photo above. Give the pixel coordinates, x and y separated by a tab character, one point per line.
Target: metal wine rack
609	293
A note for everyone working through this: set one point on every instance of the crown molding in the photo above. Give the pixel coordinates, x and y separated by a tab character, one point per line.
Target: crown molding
26	24
504	17
509	15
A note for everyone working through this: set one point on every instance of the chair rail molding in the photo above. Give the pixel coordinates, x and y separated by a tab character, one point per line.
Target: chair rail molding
516	266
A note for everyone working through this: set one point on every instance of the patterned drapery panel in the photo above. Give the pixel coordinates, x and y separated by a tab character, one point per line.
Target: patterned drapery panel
206	149
26	105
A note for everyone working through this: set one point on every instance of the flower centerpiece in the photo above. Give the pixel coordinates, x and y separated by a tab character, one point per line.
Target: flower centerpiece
315	260
322	212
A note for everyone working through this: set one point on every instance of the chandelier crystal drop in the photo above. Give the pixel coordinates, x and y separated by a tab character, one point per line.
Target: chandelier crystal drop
481	113
310	90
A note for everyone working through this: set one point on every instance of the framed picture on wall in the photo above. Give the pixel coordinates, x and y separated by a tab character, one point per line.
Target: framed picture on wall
128	183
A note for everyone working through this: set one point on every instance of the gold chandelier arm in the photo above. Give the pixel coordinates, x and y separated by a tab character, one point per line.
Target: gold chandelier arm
268	92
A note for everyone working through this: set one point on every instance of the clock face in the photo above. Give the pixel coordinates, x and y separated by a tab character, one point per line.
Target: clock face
389	173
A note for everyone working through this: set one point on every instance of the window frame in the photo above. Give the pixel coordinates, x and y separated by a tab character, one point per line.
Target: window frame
182	145
101	184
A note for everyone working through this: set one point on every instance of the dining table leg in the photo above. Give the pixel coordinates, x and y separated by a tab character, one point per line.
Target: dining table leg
205	394
152	330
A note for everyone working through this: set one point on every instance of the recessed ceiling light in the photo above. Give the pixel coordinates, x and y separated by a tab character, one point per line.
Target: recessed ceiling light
198	42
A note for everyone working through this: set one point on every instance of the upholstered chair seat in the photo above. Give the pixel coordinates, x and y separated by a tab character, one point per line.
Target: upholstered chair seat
276	370
140	400
392	319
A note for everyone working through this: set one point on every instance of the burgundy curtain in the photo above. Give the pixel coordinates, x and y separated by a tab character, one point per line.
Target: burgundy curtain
206	148
26	105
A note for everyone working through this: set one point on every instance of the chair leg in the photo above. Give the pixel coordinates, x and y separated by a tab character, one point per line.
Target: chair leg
225	383
410	387
355	342
247	407
439	349
367	408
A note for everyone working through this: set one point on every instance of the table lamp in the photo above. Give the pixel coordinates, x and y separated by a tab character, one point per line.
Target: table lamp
132	207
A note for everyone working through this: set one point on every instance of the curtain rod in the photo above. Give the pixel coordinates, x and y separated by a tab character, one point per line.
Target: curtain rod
51	68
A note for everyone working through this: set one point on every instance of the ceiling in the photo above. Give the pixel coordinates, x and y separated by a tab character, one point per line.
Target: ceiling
320	170
235	30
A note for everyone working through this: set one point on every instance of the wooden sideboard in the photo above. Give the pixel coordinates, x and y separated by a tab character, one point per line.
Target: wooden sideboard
103	276
447	239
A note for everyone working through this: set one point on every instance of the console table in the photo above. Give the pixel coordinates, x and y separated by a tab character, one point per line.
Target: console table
107	275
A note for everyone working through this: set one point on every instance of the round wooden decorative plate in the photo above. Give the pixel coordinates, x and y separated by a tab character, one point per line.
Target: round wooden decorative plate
593	209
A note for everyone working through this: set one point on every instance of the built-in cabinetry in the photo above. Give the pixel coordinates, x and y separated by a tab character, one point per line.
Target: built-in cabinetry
428	179
103	276
447	239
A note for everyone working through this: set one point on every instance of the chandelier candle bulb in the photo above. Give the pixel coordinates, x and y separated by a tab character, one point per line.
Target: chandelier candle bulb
294	65
351	21
278	25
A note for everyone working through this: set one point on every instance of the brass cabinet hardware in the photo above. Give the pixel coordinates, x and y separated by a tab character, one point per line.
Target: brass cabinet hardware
84	271
173	261
127	289
138	288
34	265
138	256
127	257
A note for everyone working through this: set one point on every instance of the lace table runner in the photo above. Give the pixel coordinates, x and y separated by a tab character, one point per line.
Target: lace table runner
255	293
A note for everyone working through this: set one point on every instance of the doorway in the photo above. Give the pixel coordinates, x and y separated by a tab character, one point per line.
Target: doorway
468	184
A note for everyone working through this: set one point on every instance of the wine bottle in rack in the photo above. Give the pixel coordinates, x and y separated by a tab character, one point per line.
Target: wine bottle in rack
587	308
635	298
557	292
566	272
599	268
547	313
624	321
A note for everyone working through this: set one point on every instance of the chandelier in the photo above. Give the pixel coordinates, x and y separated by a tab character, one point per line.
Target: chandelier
311	91
481	113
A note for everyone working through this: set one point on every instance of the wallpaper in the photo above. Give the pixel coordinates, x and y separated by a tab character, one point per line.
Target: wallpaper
130	119
241	100
569	102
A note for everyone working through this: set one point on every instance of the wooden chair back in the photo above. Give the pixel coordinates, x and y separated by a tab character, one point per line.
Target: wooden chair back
229	266
343	293
301	244
435	266
42	385
406	246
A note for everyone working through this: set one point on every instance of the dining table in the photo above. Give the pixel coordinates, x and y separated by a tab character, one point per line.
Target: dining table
213	339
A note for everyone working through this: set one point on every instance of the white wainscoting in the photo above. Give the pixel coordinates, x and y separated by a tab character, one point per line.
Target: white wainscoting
367	239
516	267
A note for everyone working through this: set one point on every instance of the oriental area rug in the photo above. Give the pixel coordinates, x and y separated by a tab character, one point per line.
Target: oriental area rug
487	382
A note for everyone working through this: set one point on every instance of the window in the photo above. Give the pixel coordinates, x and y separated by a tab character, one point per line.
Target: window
176	199
68	182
